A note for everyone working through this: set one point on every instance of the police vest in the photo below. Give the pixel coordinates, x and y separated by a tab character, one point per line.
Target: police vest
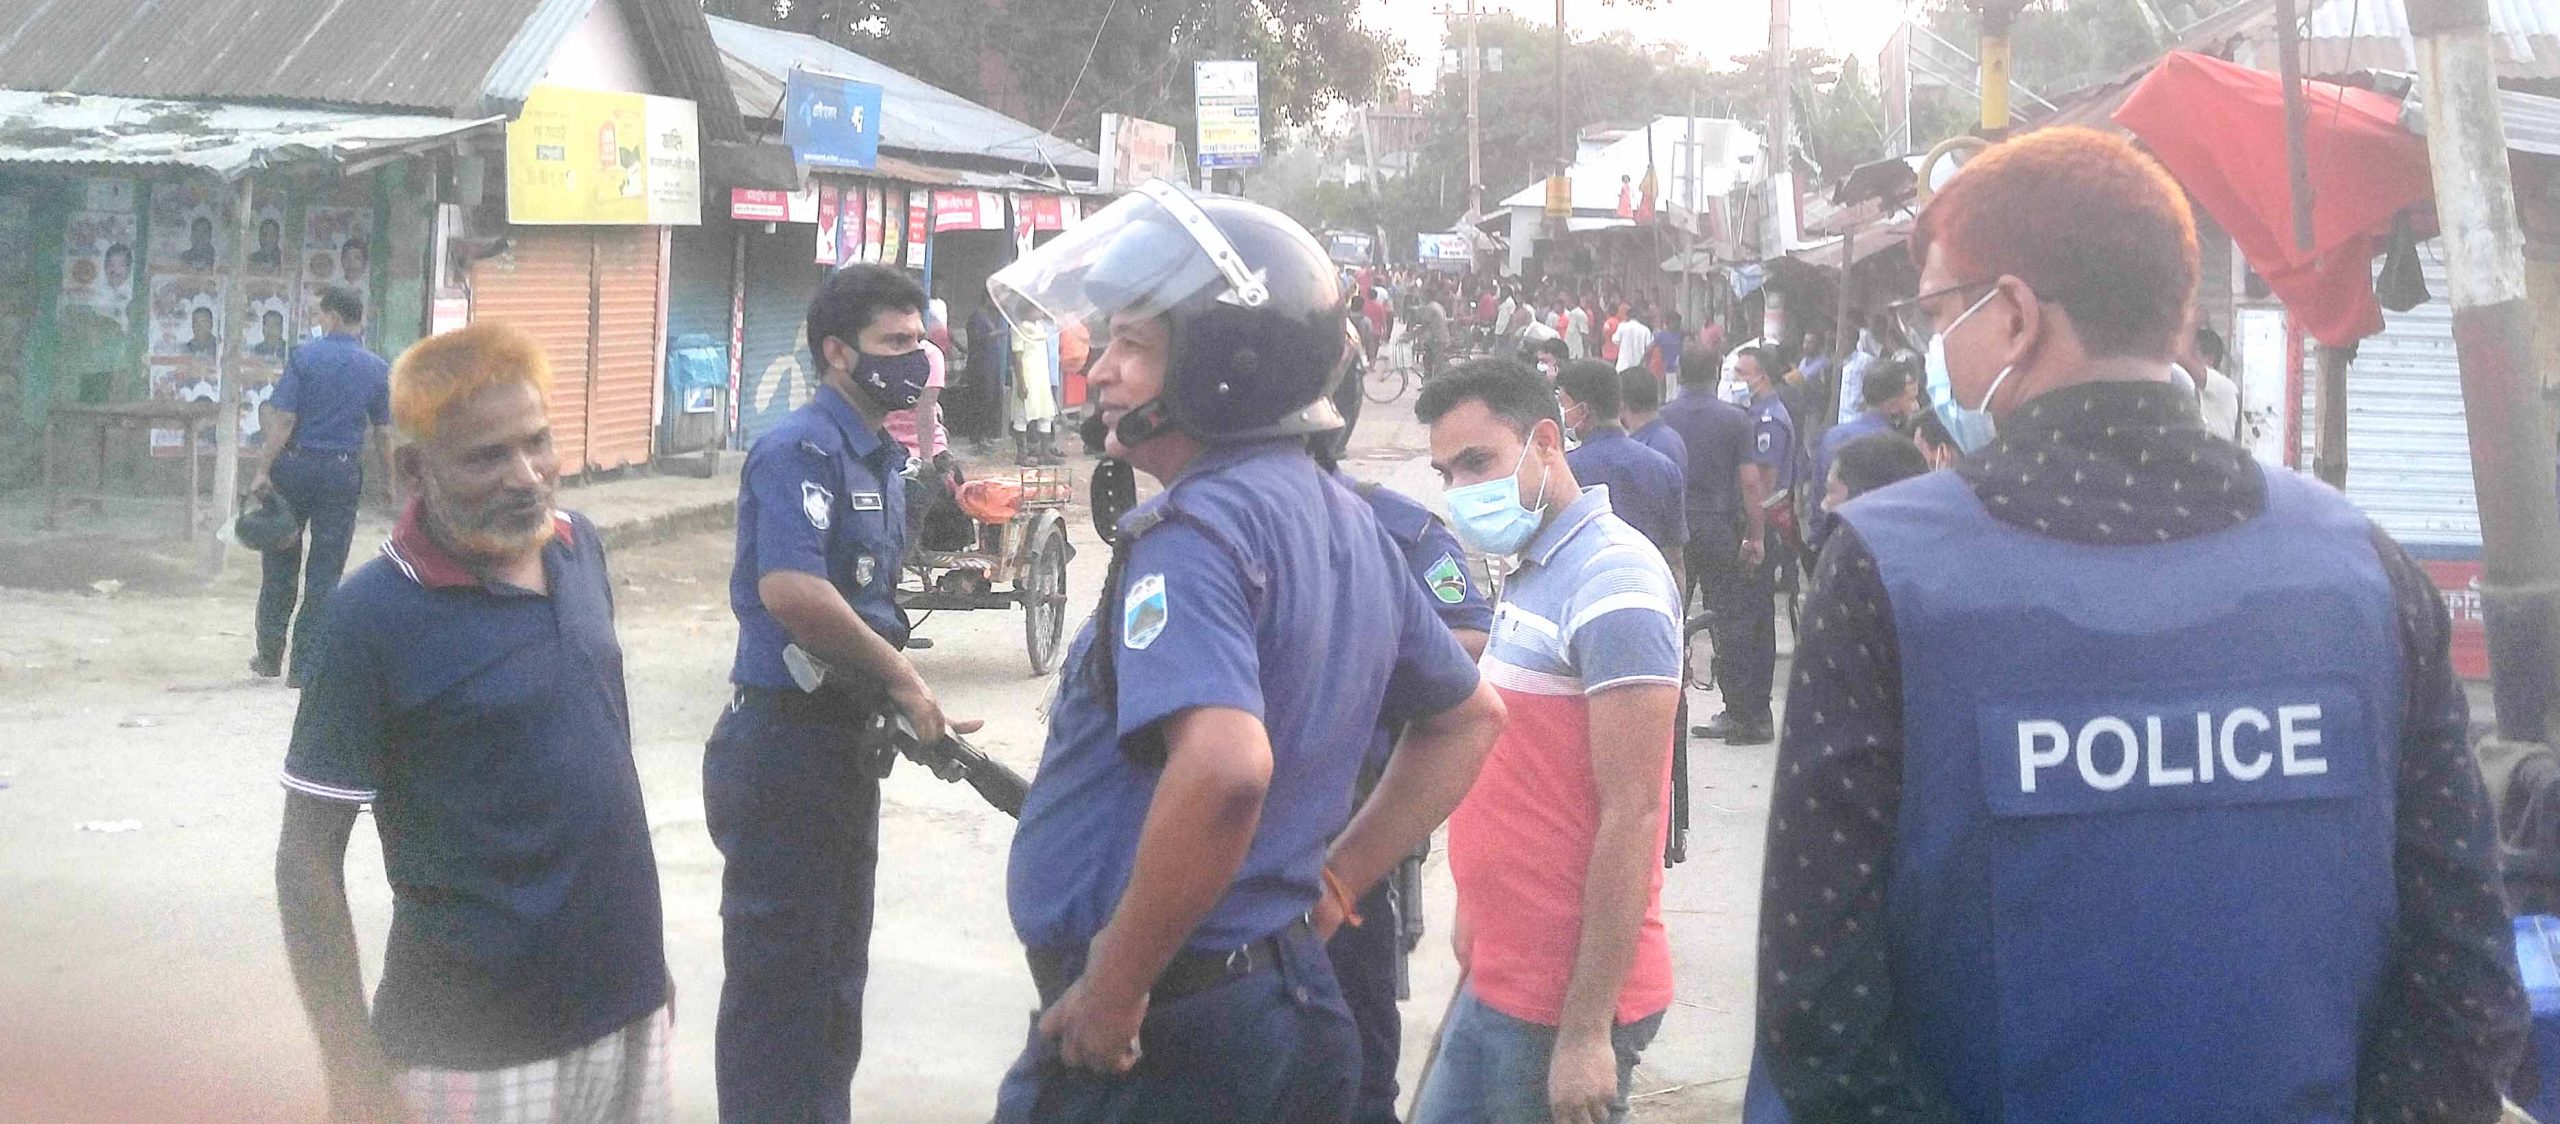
2143	868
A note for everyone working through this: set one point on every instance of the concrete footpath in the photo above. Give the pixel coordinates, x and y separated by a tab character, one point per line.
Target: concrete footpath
129	546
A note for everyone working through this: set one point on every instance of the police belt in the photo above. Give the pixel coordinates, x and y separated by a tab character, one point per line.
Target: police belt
827	707
1053	970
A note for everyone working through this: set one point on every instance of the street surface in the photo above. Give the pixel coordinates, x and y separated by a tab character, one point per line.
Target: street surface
138	812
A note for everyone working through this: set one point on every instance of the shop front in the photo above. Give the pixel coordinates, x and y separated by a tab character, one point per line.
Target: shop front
596	184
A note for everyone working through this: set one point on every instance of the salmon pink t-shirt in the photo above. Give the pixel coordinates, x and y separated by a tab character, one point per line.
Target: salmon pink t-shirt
1590	610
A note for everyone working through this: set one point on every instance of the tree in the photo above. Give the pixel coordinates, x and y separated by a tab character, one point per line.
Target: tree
1615	80
1028	58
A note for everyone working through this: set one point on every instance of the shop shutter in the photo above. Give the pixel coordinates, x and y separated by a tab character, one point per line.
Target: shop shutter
2408	451
623	380
773	375
543	284
698	269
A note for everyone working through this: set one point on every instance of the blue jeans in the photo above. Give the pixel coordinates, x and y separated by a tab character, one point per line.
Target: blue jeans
1275	1045
323	489
1492	1068
797	821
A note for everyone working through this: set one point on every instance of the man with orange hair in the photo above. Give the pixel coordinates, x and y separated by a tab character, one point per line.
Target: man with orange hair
2123	777
471	693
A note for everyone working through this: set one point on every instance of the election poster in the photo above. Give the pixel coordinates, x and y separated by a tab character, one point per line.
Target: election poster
186	228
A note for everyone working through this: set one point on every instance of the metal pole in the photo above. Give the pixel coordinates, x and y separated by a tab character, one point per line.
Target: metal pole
2329	403
1558	225
2512	458
1475	152
2297	159
1689	234
1996	17
1781	168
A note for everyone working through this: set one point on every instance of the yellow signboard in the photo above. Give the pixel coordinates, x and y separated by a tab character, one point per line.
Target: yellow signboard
598	158
1559	197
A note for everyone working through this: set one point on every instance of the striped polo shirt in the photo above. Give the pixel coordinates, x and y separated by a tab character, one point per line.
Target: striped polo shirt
1591	608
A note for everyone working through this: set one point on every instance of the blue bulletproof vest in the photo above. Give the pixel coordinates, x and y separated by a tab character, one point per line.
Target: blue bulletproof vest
2142	869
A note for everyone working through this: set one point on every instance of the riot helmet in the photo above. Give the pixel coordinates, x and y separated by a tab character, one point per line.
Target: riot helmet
1251	304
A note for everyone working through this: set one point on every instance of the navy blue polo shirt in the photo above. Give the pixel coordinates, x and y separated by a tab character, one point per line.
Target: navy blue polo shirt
820	495
488	728
1717	436
1773	439
334	389
1645	488
1825	451
1256	581
1658	436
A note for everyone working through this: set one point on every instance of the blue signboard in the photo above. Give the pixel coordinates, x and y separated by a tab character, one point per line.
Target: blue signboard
831	121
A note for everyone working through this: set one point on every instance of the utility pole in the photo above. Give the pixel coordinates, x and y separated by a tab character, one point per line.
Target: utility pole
1558	225
2329	393
1689	234
1997	16
1780	171
231	368
1227	44
2511	449
1475	151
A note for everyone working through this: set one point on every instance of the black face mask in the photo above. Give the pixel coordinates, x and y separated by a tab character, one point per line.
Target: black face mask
897	381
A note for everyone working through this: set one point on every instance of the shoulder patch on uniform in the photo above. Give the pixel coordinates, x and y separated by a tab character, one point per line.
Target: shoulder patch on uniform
1143	614
864	501
817	503
1764	442
1447	580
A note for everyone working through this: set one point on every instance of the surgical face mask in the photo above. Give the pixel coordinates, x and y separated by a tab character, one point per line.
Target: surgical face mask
896	380
1575	428
1971	427
1487	516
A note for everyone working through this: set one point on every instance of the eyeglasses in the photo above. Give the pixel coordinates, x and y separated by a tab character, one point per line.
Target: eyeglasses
1917	315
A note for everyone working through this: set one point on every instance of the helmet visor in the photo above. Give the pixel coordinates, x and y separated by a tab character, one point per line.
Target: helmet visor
1147	253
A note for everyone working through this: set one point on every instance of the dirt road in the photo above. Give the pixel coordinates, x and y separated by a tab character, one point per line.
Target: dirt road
138	938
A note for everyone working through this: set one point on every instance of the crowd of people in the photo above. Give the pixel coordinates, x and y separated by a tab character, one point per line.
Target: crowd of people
2120	776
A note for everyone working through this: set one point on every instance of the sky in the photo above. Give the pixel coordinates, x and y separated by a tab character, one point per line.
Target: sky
1717	29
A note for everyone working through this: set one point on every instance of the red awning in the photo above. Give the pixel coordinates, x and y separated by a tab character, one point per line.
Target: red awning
2219	127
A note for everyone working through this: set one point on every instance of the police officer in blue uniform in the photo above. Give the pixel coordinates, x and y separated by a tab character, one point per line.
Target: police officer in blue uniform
795	811
1368	958
1171	879
2124	777
1746	618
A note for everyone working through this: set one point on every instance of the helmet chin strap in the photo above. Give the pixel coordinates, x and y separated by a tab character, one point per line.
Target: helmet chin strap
1143	424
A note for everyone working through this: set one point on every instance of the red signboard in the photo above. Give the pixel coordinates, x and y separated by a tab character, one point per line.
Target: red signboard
919	215
955	210
964	209
1045	212
2459	583
753	205
828	214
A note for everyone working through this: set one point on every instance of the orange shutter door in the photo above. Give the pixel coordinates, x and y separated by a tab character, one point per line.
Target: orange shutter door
543	285
621	413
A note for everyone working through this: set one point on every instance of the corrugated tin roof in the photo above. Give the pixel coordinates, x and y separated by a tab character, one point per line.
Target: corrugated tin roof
224	139
2095	106
456	57
915	116
2345	35
2531	121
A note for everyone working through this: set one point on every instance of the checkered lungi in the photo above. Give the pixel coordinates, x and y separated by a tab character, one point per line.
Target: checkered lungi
622	1078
